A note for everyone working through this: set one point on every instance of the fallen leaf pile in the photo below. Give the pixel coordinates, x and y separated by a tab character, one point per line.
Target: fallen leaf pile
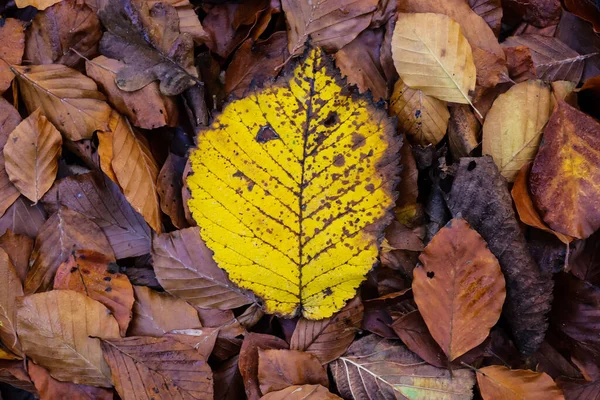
299	199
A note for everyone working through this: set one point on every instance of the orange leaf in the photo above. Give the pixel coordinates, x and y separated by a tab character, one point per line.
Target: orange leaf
278	369
500	383
564	176
459	289
95	275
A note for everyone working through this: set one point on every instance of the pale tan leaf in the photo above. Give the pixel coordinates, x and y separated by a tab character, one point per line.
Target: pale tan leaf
10	289
31	155
512	130
424	119
12	46
39	4
9	119
69	99
301	392
59	330
188	19
431	53
500	383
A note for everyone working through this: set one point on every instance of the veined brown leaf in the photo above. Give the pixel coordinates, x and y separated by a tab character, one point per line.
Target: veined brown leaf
498	382
376	365
188	19
59	330
12	37
10	288
490	11
301	392
31	156
185	268
69	99
512	130
15	374
169	185
23	218
18	247
278	369
424	119
431	53
9	120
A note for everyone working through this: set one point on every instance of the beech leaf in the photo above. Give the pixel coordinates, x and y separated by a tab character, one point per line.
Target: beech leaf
278	369
18	247
500	382
12	47
23	218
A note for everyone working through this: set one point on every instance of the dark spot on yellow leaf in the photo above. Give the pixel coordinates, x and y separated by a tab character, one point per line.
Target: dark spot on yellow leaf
339	160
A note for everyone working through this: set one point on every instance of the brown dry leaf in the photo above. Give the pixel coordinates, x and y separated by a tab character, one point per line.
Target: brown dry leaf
188	19
105	152
499	382
248	361
491	68
185	268
155	314
376	365
563	177
524	205
255	62
228	381
553	60
512	130
540	13
146	108
145	367
10	288
136	170
490	11
64	232
251	316
96	275
148	41
69	99
463	130
9	119
23	218
19	248
424	119
170	183
99	199
360	62
585	9
59	33
431	54
400	237
565	90
12	47
576	389
301	392
31	156
329	338
408	189
520	63
15	374
202	340
458	314
278	369
39	4
325	22
59	330
52	389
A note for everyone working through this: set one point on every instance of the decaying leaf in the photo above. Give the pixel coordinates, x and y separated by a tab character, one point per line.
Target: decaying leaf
431	54
10	288
480	196
169	185
59	330
12	47
512	130
157	368
464	130
497	382
325	23
562	179
423	118
301	392
185	268
278	369
386	367
18	247
291	188
69	99
96	275
459	289
31	156
9	120
148	41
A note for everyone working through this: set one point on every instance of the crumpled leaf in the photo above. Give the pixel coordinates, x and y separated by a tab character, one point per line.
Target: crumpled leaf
423	118
459	289
59	330
512	130
10	288
520	63
59	33
497	382
69	99
185	268
278	369
325	22
148	41
12	47
301	392
9	120
431	53
386	367
480	196
562	171
464	130
31	156
157	368
272	202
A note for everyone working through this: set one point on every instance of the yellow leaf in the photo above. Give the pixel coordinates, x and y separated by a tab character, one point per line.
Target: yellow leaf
512	130
421	117
292	188
431	53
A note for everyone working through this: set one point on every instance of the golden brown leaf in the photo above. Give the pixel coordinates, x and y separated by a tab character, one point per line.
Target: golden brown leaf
9	119
59	330
31	156
501	383
12	47
18	247
96	275
105	152
10	288
69	99
519	63
301	392
169	185
459	289
278	369
248	359
563	177
146	108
